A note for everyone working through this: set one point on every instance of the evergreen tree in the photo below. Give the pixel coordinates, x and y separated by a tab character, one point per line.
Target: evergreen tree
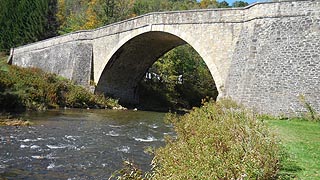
25	21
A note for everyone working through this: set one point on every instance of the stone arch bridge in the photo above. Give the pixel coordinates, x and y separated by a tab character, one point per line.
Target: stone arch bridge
264	55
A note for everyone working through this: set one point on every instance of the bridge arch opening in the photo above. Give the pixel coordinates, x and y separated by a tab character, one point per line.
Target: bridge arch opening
129	65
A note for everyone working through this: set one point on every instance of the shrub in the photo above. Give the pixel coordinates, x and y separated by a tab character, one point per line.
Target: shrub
78	97
32	88
218	141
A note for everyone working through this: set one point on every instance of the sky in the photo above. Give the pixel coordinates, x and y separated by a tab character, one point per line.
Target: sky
248	1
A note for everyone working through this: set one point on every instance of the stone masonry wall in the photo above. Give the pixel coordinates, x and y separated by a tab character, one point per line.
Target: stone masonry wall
275	62
71	60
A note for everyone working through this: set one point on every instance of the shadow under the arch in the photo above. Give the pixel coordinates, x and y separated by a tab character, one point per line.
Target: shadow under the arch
178	81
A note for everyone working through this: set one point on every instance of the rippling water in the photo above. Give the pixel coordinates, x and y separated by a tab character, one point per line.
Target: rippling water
79	144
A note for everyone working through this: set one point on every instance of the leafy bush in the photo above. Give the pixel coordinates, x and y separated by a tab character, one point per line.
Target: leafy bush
218	141
78	97
31	88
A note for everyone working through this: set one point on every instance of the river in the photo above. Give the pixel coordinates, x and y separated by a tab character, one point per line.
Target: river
79	144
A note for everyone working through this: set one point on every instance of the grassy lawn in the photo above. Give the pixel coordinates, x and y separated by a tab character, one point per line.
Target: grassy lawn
301	139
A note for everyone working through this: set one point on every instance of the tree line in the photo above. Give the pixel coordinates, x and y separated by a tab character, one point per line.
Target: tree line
90	14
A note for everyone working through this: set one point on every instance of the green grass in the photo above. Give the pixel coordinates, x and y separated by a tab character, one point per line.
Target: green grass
301	140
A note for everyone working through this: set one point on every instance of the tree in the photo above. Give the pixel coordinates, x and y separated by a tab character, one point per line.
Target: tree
91	16
209	4
239	4
24	21
182	77
224	4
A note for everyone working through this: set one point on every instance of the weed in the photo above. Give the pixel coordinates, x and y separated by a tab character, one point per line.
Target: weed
312	114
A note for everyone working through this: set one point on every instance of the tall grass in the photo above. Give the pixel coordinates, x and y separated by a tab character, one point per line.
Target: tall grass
311	113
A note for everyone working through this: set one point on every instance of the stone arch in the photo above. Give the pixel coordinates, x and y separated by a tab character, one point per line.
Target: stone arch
134	54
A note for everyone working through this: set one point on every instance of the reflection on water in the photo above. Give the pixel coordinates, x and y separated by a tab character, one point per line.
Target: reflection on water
79	144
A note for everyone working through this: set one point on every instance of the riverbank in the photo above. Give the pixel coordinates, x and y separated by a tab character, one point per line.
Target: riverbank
33	89
219	140
237	144
8	120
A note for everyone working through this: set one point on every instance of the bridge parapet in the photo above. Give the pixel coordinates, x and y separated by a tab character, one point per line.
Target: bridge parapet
199	16
209	16
67	38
